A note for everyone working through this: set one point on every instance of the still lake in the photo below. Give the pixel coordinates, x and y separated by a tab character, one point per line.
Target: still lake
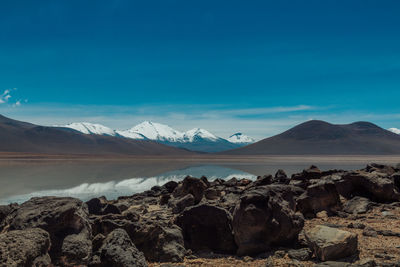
22	179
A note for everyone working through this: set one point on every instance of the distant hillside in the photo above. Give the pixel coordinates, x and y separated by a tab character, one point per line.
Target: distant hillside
16	136
322	138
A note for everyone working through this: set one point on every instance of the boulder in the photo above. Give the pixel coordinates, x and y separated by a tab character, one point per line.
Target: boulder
308	174
266	216
373	185
160	243
231	182
170	186
111	209
60	217
192	186
331	244
118	250
25	248
178	205
106	224
376	167
303	254
212	194
357	205
207	227
281	177
395	177
95	206
4	211
321	196
229	202
262	180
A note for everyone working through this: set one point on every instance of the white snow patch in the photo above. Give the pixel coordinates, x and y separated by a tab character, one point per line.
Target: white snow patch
90	128
239	138
394	130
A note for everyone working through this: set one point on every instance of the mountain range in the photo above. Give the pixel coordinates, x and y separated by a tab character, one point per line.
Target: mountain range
17	136
309	138
196	139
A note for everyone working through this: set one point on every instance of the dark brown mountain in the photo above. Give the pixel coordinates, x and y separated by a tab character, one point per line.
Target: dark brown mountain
322	138
17	136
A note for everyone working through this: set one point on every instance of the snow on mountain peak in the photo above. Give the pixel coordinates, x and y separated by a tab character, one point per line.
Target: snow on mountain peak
199	133
90	128
153	131
394	130
239	138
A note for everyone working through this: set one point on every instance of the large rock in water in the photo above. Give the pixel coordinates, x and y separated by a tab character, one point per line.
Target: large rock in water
207	227
119	251
65	219
266	216
331	243
25	248
374	185
321	196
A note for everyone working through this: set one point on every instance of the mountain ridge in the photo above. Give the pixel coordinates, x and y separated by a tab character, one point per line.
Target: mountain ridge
17	136
196	139
322	138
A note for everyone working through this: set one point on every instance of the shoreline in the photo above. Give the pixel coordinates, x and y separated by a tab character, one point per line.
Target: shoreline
6	156
272	221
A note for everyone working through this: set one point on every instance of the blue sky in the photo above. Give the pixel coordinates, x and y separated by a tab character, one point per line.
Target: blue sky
258	67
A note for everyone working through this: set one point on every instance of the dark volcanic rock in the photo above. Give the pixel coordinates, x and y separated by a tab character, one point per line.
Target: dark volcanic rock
106	224
368	231
4	211
99	206
321	196
170	186
95	206
357	205
178	205
160	243
212	194
231	182
303	254
373	185
265	216
331	243
262	180
119	251
25	248
207	227
308	174
192	186
281	177
60	217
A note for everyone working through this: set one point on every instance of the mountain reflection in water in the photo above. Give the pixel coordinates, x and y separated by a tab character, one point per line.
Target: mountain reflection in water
114	189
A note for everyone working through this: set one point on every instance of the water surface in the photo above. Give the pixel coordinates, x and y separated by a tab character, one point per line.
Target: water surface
22	179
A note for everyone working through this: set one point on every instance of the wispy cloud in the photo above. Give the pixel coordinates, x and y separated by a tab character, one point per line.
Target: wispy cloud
6	96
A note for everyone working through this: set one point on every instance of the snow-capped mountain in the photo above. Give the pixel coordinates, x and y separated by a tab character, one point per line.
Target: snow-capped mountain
195	139
239	138
153	131
197	133
394	130
90	128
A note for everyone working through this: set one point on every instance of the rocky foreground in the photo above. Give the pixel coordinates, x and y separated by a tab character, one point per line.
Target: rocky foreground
314	218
